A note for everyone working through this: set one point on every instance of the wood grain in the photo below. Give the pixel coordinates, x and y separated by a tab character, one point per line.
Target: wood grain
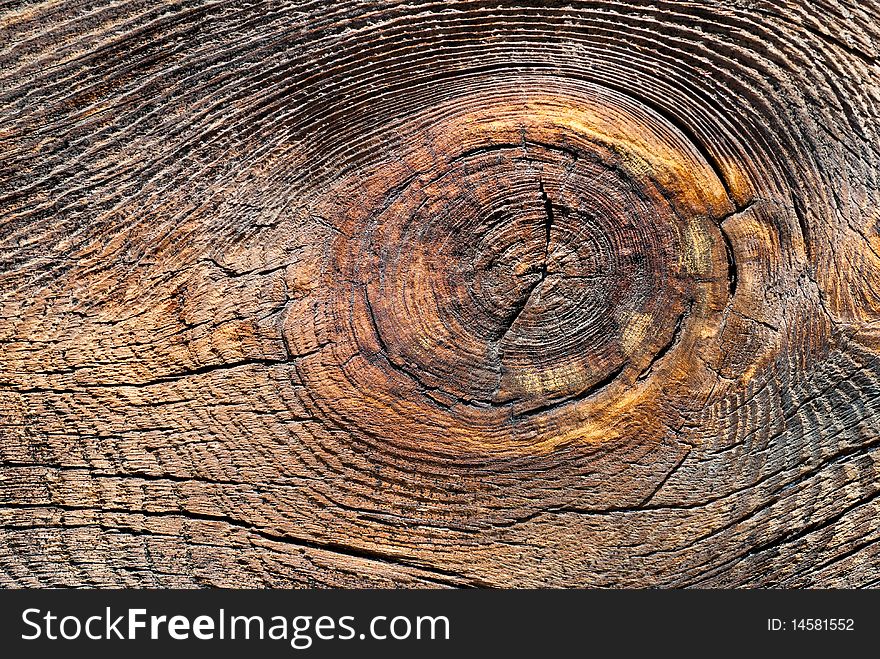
440	294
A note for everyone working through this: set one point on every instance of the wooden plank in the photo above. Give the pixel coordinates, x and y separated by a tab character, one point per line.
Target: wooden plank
439	294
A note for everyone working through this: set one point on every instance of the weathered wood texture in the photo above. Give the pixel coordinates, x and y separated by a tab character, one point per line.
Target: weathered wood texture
454	293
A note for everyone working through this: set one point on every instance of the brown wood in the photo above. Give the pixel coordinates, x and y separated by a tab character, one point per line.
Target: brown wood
439	294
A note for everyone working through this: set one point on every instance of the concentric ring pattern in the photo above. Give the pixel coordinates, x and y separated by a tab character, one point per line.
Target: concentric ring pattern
461	293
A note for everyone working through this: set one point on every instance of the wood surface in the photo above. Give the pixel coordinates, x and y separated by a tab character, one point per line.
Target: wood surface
439	293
